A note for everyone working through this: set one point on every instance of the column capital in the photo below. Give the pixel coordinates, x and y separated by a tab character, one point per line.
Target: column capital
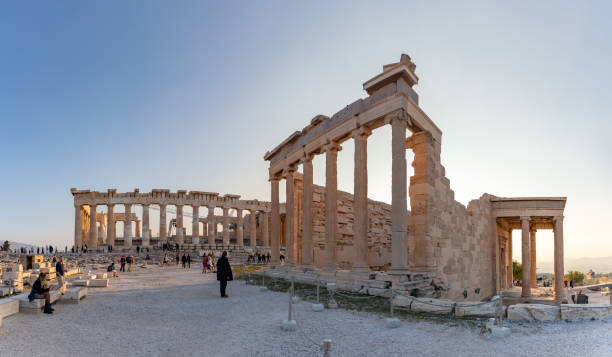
110	205
275	177
525	218
398	116
290	169
558	219
332	146
361	132
307	158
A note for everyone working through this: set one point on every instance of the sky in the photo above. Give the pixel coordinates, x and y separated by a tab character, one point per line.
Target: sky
191	94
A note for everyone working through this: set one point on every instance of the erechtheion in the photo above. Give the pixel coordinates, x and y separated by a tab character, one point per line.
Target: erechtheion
465	251
438	247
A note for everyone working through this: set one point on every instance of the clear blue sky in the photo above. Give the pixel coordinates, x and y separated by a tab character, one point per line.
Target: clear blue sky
191	94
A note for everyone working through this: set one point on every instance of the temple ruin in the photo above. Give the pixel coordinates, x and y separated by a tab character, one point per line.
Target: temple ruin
437	248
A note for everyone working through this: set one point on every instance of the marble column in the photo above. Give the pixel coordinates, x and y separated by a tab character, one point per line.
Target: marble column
211	225
137	225
93	227
275	244
289	210
360	209
163	230
127	228
532	272
509	271
559	268
265	230
145	225
226	224
526	257
179	224
195	225
307	222
78	227
253	228
110	225
331	204
399	192
239	228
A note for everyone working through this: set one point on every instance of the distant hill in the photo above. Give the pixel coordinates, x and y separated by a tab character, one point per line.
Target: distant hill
17	245
598	265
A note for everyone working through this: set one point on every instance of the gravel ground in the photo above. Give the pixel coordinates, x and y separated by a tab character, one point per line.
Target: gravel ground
179	313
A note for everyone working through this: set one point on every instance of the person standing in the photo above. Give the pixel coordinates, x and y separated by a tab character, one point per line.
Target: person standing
129	260
184	260
122	263
188	261
59	271
224	273
205	264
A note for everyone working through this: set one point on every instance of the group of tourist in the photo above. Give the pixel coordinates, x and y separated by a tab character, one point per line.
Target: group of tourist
129	260
261	258
208	263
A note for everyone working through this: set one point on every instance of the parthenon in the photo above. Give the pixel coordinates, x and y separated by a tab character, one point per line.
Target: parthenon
233	228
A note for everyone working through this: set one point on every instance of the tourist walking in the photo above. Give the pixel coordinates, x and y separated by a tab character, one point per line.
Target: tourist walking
205	264
165	261
40	290
129	260
138	250
122	263
224	273
184	260
59	273
178	258
188	261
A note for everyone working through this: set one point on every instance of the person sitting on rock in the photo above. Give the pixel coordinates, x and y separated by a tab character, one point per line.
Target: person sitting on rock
40	290
111	269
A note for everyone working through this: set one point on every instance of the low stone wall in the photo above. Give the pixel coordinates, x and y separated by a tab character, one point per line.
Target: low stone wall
569	312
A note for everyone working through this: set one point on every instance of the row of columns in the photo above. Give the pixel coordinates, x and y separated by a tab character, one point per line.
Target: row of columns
398	121
93	233
528	256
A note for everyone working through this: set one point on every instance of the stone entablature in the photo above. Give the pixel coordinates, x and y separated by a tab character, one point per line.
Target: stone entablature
165	197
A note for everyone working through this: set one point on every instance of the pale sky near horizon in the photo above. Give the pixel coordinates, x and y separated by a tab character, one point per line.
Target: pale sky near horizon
191	94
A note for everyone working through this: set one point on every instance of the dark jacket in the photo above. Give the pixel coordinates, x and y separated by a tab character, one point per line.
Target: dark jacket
38	289
59	268
224	270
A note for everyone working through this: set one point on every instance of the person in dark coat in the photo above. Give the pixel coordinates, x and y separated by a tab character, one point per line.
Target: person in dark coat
224	273
40	290
184	260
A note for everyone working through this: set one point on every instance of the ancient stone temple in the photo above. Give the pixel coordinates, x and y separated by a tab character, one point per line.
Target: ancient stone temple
438	245
250	224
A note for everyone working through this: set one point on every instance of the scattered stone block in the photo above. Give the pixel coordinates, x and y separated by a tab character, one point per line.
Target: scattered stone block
36	305
491	308
585	312
80	282
533	312
432	306
101	276
98	283
8	307
74	295
318	307
403	301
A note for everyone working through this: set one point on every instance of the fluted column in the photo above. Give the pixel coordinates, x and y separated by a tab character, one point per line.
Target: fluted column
93	227
532	271
179	224
127	228
275	244
331	204
307	211
559	268
510	270
145	225
226	232
399	192
360	223
239	228
265	236
195	225
78	226
289	220
211	225
110	225
253	228
163	229
526	257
